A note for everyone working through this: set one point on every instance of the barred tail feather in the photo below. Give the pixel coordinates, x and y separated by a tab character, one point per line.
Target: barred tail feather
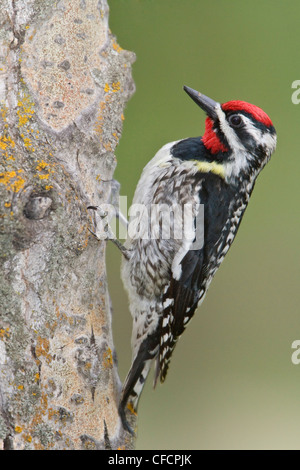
167	346
136	378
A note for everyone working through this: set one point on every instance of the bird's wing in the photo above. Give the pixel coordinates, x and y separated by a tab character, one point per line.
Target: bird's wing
180	302
184	292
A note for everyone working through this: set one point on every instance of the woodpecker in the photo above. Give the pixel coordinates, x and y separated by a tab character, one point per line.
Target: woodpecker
167	278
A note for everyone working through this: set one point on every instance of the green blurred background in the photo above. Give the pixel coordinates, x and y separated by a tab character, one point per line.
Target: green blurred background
231	384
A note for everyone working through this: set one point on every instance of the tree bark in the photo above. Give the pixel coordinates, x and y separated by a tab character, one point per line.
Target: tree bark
64	82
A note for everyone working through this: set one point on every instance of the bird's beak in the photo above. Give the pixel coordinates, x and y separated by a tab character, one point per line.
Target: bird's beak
207	104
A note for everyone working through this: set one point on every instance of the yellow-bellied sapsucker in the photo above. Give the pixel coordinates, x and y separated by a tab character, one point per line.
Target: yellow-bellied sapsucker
167	277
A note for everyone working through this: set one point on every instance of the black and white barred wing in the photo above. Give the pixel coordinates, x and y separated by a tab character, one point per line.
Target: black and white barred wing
191	276
180	302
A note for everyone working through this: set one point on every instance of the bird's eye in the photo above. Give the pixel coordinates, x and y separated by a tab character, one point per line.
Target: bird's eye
235	120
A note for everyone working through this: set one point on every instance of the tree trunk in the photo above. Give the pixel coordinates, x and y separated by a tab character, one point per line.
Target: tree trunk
64	82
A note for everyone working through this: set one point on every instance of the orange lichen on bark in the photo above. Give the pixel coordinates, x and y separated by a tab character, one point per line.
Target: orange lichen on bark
44	170
107	359
116	86
41	165
25	110
12	180
4	333
99	120
116	46
131	409
42	349
6	142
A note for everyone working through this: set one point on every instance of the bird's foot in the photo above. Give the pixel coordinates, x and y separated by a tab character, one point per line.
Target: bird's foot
103	230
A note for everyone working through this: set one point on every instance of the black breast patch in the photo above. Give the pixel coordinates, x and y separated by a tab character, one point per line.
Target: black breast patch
189	149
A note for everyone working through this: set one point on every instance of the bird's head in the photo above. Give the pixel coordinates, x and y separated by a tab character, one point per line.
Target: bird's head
238	135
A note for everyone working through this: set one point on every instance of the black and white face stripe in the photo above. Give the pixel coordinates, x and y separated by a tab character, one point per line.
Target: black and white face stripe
250	142
248	133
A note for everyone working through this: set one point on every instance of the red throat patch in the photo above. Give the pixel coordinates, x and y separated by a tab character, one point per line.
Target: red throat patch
255	111
211	140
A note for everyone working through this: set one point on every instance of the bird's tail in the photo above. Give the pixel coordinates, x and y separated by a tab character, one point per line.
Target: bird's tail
136	378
